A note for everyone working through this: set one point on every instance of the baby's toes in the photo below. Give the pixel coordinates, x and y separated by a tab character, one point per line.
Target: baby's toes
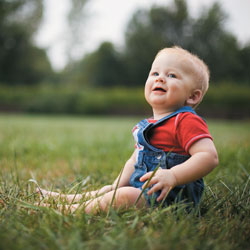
42	192
42	204
38	190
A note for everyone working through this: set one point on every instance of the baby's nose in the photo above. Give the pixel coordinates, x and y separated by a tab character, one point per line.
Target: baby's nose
160	79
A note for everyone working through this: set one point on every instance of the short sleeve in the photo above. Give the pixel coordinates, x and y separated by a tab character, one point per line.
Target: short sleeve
189	129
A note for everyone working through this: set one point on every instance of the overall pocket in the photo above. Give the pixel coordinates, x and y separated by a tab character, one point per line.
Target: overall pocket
137	174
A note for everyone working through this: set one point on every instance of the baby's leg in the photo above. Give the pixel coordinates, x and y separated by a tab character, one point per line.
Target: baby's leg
67	208
74	197
124	197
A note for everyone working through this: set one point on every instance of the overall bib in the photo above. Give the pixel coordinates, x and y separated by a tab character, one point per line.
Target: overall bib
149	158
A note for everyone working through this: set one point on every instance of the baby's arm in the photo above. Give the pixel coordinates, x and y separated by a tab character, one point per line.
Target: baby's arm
203	160
126	172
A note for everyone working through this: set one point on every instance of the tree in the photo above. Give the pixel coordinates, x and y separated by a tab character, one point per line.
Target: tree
20	61
150	30
162	26
77	17
102	68
245	63
215	45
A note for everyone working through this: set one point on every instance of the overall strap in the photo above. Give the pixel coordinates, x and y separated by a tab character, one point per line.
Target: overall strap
151	125
144	123
180	110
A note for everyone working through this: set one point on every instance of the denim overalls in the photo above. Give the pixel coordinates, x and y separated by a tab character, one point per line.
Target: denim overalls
149	158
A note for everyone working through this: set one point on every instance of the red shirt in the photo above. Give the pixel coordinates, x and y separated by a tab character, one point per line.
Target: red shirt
178	133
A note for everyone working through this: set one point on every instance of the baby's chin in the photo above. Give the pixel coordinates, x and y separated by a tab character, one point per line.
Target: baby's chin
156	101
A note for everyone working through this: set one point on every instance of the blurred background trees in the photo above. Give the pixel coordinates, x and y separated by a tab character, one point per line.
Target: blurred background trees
24	64
102	68
20	61
150	30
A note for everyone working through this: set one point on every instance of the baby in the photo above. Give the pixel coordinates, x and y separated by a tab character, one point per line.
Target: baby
174	149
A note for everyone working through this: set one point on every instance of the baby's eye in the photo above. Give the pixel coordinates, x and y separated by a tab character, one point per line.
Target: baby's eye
171	75
155	74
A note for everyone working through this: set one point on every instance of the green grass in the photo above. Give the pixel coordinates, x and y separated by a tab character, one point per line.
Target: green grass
60	151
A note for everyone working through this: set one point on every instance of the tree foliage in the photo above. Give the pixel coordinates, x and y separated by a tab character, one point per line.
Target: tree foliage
206	36
77	17
164	26
104	67
20	61
148	30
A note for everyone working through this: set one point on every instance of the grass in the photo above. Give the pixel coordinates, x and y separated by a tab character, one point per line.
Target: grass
59	152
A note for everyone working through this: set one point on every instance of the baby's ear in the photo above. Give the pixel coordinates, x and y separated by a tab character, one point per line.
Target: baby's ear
194	98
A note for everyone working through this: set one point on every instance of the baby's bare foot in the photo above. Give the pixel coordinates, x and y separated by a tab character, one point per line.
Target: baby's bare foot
62	208
46	194
69	198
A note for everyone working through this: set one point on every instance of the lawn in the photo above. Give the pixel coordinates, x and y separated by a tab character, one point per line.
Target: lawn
59	152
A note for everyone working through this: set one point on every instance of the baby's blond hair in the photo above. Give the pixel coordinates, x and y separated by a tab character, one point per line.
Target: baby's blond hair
199	68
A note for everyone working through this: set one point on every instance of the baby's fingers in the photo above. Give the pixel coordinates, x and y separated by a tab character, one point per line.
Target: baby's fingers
155	188
150	183
146	176
163	194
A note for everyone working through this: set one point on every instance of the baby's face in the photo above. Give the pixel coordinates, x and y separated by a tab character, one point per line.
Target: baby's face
170	82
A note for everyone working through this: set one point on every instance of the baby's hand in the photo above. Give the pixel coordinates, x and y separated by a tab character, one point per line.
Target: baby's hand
163	179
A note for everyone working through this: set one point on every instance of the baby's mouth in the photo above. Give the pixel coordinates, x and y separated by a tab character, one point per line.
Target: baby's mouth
159	89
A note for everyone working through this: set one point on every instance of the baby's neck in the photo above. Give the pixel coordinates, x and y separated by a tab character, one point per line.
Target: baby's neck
158	115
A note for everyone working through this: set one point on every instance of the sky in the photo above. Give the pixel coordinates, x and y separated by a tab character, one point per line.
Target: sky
107	21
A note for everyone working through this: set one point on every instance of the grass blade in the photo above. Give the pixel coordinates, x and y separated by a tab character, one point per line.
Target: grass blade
116	187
